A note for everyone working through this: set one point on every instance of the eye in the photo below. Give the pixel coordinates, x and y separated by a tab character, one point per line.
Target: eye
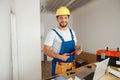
61	18
66	17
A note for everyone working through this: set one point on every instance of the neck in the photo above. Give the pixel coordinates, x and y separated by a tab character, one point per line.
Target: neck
61	28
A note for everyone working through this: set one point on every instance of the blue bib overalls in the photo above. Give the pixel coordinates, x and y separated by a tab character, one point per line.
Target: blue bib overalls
66	47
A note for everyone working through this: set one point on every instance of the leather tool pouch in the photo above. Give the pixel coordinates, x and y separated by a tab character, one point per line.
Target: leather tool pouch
64	67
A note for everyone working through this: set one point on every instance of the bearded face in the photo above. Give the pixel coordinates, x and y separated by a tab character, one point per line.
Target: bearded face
63	20
63	24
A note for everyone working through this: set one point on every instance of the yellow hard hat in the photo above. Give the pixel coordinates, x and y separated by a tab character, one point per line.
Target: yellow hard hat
62	11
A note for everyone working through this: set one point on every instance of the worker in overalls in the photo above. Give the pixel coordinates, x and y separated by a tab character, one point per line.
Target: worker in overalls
61	44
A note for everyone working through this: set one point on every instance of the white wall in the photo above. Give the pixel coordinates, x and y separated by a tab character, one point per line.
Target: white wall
5	45
28	39
48	21
27	35
97	25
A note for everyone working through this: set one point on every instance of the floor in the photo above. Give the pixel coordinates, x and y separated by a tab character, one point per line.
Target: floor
46	69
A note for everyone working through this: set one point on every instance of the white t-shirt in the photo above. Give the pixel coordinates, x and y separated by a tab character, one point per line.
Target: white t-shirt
52	39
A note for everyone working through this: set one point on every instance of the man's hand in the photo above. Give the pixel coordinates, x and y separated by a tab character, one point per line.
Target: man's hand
64	57
78	50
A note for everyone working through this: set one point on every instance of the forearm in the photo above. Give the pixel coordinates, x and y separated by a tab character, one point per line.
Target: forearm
51	54
78	49
77	46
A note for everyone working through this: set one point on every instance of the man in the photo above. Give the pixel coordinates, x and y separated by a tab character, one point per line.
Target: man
61	44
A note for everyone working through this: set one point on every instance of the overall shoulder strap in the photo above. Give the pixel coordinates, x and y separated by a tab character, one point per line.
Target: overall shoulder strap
58	35
71	34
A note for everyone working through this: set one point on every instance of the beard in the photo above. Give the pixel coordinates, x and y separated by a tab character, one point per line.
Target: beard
63	24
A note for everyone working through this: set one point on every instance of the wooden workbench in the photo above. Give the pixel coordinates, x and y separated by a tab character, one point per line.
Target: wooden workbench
107	76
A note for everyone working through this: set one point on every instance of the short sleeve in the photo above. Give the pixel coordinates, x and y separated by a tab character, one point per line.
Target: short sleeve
50	38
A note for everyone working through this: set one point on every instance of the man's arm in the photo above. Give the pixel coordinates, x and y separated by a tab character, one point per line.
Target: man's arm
78	49
48	51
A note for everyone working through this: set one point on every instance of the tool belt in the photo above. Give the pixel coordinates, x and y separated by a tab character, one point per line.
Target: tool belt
62	67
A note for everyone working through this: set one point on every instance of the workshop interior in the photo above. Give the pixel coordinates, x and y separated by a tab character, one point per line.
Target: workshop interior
24	25
96	24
